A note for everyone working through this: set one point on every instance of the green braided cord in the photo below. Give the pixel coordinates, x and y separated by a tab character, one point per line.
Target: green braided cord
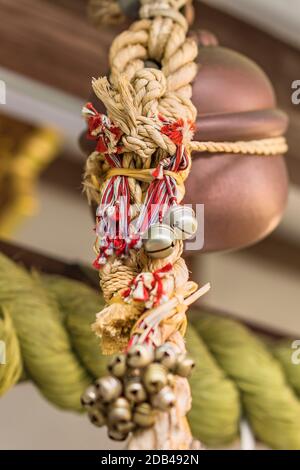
270	404
45	322
215	413
80	303
10	374
45	345
282	352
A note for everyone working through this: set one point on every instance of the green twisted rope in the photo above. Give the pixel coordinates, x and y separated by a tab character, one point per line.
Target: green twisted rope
45	323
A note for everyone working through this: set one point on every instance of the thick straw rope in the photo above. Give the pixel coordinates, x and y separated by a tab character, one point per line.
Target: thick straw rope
139	101
105	11
135	98
45	325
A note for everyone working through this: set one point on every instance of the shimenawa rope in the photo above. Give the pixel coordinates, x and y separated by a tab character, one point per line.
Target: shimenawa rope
143	155
45	325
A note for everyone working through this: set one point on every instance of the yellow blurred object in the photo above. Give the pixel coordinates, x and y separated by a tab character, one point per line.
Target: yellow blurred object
25	151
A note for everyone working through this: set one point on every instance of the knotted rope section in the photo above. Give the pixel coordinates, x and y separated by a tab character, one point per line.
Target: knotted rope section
136	176
45	324
144	143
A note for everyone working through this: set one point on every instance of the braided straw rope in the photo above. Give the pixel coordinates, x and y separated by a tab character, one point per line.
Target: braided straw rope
263	147
105	11
135	97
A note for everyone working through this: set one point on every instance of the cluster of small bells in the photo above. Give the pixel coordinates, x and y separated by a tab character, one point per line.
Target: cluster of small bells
140	384
179	224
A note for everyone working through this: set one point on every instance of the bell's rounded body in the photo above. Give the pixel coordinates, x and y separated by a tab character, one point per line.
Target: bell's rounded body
109	388
119	415
166	355
155	378
120	402
164	400
144	415
139	356
183	221
89	397
135	391
97	417
117	366
160	241
125	427
117	435
184	365
236	101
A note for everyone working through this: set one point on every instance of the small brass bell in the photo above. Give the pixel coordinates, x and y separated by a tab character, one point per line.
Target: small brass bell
120	402
125	427
144	415
108	388
97	417
166	355
135	391
120	419
155	377
184	366
182	219
139	356
117	435
89	397
117	365
164	400
159	241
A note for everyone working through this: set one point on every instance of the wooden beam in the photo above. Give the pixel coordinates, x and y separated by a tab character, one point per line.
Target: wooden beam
52	42
48	265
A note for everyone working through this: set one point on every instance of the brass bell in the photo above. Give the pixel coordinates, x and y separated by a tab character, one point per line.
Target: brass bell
144	415
164	400
125	427
135	391
182	219
117	365
118	416
108	388
184	366
166	355
117	435
120	402
155	377
159	241
89	397
97	417
139	356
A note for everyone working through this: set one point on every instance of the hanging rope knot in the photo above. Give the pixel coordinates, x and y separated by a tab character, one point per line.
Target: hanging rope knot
164	8
116	234
148	287
136	113
103	130
179	131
